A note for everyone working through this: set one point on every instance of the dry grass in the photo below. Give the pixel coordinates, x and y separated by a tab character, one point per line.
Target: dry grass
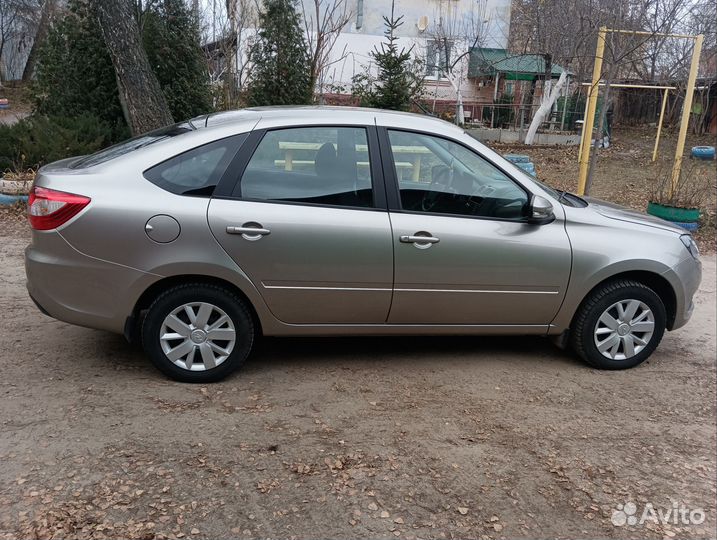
626	175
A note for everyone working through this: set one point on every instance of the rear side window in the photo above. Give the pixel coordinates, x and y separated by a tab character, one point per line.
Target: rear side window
311	165
197	171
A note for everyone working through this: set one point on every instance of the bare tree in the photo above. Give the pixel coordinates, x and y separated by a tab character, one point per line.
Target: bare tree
47	12
141	96
323	24
456	30
228	27
550	94
18	18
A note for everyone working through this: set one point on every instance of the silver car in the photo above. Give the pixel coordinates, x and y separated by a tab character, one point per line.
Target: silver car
197	238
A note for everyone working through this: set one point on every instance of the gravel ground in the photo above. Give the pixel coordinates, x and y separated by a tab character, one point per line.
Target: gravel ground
369	438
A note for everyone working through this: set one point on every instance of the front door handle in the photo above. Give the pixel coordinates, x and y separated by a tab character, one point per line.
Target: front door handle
249	231
421	239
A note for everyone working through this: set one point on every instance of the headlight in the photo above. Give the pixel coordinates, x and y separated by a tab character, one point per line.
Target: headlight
691	246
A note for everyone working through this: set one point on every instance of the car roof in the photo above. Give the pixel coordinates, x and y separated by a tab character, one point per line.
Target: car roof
324	114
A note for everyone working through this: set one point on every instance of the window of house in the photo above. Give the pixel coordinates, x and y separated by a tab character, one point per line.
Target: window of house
313	165
438	57
440	176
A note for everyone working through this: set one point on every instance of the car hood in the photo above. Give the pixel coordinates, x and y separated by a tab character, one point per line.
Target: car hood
615	211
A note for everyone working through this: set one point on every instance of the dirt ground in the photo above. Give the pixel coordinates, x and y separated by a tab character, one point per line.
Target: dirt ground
365	438
20	105
370	438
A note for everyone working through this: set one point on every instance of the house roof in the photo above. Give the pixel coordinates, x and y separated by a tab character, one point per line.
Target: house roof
486	62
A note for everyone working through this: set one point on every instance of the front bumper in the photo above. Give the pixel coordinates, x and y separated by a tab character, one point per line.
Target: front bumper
686	278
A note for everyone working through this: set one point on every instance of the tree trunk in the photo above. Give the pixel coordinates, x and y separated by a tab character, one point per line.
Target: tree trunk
146	108
46	13
546	104
599	136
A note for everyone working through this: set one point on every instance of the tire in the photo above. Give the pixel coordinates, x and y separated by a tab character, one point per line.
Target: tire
585	330
220	345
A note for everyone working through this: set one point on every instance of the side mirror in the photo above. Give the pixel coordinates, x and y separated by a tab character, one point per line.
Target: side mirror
540	211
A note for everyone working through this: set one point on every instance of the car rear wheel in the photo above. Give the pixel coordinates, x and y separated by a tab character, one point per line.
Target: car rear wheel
619	325
198	333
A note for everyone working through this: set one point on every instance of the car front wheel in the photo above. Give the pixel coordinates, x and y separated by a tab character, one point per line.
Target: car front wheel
619	325
198	333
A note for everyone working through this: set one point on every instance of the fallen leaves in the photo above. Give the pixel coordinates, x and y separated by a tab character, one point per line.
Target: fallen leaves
266	486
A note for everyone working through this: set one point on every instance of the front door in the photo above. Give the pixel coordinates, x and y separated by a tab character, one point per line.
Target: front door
304	224
463	251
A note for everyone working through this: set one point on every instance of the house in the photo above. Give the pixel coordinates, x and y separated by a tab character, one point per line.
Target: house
439	32
499	73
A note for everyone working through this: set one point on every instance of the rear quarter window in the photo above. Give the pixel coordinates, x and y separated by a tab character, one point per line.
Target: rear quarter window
196	172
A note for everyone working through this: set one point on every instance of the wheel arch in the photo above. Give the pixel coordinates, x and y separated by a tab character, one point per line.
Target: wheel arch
131	328
658	283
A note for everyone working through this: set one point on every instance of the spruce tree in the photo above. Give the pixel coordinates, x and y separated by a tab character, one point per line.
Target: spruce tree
74	74
280	65
171	37
400	75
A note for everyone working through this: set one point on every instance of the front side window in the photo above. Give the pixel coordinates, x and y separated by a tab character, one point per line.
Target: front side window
440	176
312	165
197	171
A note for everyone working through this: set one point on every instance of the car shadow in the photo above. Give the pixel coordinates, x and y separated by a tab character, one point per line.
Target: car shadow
367	350
418	352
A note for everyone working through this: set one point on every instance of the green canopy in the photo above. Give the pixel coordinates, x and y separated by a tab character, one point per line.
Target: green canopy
485	62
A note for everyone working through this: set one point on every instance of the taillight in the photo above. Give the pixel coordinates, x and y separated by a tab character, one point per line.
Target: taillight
48	209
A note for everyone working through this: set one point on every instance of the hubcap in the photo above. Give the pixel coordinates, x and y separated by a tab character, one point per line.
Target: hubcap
197	336
624	329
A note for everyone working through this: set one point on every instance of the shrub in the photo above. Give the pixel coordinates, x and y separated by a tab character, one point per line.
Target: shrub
503	113
38	140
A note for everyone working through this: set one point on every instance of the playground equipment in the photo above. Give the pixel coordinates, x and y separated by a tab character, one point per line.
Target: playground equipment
593	90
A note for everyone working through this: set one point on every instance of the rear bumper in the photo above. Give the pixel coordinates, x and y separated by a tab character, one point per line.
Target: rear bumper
72	287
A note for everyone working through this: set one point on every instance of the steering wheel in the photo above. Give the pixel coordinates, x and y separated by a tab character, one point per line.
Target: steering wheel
443	177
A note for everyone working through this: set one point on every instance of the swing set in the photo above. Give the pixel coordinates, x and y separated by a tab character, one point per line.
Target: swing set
592	99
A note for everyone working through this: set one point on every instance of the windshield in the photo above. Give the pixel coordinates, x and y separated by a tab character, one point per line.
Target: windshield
133	144
553	192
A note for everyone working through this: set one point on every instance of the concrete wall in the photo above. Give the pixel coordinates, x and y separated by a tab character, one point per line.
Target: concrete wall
512	136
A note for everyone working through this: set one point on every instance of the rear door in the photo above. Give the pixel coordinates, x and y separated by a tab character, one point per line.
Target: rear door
306	220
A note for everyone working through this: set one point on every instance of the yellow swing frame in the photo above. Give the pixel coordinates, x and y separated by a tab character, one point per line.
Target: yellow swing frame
591	106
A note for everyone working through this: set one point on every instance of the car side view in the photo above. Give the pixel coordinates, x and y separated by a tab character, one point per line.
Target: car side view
199	237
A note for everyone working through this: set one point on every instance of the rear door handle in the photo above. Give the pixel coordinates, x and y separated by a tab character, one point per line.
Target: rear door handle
411	239
249	231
